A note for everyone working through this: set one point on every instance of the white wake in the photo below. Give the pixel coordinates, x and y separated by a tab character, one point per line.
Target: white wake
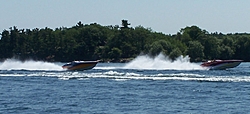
162	62
13	64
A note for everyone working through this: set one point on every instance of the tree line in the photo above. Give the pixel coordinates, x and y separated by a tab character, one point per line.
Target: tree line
120	43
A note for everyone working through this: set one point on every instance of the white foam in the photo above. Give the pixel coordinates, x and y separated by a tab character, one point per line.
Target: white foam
184	77
117	76
113	75
162	62
13	64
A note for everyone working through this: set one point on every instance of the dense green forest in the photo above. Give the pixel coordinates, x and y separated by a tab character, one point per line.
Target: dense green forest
117	43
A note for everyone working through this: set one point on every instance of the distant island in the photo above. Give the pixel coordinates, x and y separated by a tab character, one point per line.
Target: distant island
115	43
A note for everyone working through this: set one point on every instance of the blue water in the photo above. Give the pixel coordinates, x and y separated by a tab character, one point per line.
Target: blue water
123	88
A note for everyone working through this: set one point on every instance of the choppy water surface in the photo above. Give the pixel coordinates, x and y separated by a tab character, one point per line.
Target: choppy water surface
142	86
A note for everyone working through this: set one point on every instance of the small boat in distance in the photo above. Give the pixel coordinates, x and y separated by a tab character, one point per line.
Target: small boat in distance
80	65
221	64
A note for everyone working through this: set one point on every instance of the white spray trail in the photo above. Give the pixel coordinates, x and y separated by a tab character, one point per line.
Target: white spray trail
162	62
13	64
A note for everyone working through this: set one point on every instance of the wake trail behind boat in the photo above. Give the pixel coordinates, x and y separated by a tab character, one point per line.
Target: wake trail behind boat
162	62
13	64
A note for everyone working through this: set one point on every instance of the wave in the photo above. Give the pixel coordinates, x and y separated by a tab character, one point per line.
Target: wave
114	75
125	76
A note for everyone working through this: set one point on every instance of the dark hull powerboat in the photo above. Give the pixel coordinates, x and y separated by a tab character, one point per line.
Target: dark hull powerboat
221	64
80	65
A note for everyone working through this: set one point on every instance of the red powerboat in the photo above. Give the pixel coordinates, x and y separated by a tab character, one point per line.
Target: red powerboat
221	64
80	65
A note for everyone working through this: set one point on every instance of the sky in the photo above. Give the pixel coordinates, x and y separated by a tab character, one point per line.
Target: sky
166	16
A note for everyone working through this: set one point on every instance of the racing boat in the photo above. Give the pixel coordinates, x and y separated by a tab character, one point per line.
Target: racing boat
221	64
80	65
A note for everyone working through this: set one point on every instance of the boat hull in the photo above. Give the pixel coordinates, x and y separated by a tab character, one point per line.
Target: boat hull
80	65
221	64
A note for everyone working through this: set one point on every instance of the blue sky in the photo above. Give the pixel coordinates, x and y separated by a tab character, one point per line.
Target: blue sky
166	16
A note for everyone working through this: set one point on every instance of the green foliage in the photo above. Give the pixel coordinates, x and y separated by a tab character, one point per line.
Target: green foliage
243	47
175	53
115	53
160	46
195	50
212	47
125	23
93	41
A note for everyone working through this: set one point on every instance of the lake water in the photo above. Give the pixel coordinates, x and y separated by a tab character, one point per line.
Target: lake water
143	86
